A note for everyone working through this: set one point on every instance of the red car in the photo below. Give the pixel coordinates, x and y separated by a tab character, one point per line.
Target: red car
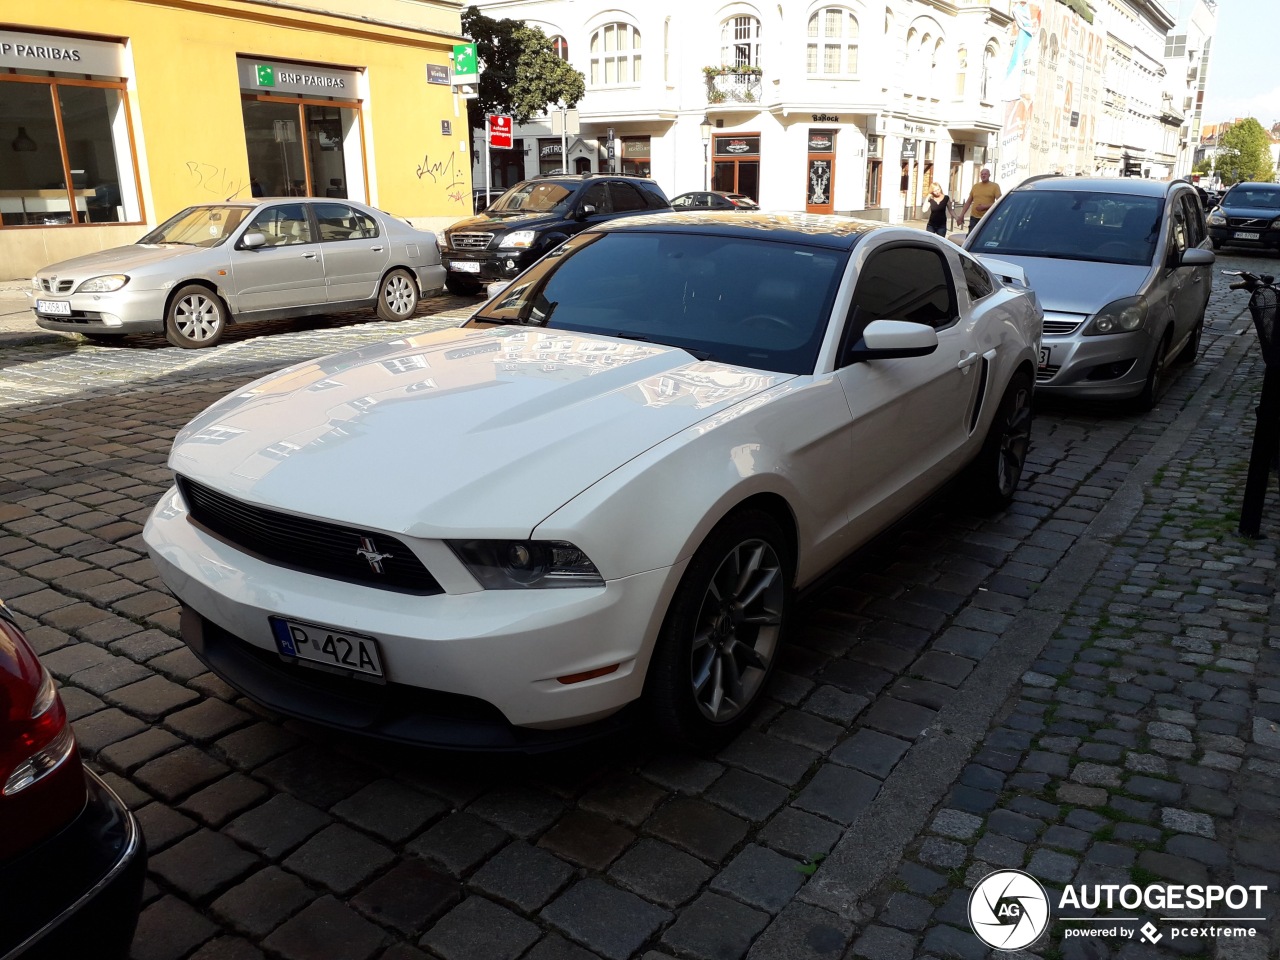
72	860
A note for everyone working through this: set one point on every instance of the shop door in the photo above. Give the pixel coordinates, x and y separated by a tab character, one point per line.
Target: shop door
737	164
821	181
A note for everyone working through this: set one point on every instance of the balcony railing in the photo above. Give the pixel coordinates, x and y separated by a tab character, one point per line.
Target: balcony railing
732	84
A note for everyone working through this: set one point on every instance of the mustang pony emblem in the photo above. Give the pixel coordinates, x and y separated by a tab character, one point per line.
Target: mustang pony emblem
370	553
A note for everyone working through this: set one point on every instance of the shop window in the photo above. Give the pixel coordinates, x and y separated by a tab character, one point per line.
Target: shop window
85	174
635	156
303	148
550	159
736	164
873	183
615	55
833	43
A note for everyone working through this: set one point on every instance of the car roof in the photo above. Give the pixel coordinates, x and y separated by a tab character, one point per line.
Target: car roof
1133	186
823	230
1255	184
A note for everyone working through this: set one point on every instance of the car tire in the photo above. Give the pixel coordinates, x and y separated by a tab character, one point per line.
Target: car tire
397	296
462	286
995	472
196	318
1150	394
1217	244
1190	351
723	632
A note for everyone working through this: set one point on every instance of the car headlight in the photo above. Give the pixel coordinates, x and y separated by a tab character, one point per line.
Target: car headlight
103	284
35	283
1275	224
522	564
1216	219
442	242
1119	316
519	238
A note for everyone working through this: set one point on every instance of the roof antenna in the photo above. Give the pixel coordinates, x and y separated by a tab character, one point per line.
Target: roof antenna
238	192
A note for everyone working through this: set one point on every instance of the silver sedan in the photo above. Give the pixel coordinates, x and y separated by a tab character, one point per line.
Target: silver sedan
223	263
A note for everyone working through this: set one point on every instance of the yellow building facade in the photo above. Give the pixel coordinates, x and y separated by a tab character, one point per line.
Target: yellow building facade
117	114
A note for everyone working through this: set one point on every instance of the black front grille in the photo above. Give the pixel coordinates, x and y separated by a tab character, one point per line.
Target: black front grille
312	546
1248	223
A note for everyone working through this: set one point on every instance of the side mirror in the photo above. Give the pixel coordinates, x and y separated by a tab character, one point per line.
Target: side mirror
1197	257
888	339
586	210
252	241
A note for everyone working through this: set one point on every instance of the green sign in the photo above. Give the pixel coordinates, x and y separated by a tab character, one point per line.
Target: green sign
266	75
464	60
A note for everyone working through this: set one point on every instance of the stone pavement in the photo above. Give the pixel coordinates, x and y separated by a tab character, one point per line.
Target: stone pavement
1083	686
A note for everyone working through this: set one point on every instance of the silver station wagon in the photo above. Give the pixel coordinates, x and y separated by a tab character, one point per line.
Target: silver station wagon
222	263
1122	269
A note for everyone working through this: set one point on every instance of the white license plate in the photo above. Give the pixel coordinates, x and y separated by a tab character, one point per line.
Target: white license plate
1045	354
330	647
1241	235
60	307
464	266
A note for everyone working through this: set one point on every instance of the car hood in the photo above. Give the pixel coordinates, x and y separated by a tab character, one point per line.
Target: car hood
1078	286
461	432
118	260
1257	213
494	222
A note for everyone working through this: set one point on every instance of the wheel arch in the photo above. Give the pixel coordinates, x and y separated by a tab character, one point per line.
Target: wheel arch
195	282
392	268
779	509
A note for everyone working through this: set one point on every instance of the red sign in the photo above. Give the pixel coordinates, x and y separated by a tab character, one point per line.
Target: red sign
500	131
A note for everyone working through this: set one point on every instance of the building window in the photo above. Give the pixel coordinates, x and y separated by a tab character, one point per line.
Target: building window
988	72
550	156
833	43
66	152
740	42
303	148
560	47
635	156
615	55
962	69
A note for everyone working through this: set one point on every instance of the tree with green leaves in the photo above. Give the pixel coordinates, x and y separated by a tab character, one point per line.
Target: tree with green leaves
520	73
1244	153
1203	167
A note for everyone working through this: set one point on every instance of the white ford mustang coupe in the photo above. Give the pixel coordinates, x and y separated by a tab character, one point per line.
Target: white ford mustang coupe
604	489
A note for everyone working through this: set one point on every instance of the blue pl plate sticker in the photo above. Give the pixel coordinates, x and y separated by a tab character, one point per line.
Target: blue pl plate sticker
283	637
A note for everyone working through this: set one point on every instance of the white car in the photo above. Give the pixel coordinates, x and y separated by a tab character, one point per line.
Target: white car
605	489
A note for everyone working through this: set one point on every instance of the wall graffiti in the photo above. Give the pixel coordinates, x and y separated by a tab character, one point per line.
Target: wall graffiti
440	170
217	180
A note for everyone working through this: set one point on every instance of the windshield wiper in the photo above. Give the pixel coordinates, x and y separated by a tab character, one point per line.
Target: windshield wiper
696	354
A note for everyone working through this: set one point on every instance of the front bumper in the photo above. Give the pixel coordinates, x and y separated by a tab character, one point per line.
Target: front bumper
492	264
1110	367
82	886
124	311
462	668
1231	236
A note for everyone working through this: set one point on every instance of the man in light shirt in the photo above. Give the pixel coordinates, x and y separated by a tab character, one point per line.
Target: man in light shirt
981	197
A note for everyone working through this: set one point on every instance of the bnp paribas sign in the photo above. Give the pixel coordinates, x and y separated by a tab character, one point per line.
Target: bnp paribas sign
276	77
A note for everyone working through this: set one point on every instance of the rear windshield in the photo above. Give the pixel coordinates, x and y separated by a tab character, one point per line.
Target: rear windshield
1259	198
1073	225
754	303
537	196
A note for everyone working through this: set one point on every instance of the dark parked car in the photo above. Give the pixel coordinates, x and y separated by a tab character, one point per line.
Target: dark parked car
1248	215
713	200
71	855
535	217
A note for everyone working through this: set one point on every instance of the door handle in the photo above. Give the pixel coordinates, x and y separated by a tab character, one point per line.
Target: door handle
308	256
967	362
376	249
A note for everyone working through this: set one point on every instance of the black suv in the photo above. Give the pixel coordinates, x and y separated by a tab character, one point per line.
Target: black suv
1248	215
533	218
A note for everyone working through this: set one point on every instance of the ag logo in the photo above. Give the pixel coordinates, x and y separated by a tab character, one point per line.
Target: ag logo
1009	910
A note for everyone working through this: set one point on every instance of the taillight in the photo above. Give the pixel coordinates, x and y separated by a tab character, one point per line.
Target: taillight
41	781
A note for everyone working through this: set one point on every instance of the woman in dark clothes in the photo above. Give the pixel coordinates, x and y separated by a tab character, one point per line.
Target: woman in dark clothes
938	205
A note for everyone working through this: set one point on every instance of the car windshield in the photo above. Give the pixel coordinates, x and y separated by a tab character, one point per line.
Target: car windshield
1259	198
198	226
750	302
1073	225
537	196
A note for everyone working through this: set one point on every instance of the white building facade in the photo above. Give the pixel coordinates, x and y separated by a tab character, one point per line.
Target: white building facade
1186	57
845	106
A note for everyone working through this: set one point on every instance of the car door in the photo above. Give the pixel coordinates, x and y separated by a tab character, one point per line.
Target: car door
1172	289
287	271
353	250
1196	281
908	416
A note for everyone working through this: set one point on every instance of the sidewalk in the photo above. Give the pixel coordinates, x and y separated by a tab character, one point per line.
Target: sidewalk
17	323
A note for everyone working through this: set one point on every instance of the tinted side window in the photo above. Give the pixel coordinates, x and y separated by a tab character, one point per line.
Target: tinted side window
598	197
286	223
1178	224
976	279
625	197
337	221
902	283
656	199
1195	220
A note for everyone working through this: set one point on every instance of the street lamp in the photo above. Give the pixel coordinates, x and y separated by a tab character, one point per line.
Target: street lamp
704	128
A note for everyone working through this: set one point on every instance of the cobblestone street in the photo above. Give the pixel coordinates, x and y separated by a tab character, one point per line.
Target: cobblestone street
1086	687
